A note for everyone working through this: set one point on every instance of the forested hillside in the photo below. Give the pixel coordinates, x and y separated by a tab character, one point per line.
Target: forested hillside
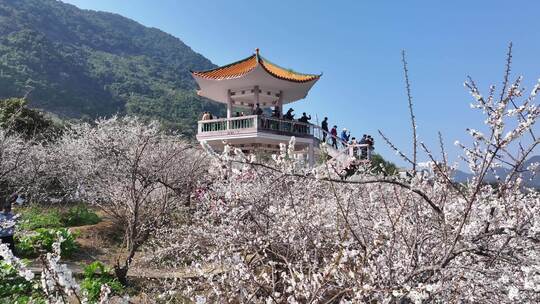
83	64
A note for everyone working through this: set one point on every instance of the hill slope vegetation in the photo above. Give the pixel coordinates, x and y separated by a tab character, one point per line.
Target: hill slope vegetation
81	63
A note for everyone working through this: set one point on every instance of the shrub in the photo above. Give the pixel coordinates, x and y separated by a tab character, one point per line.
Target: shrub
15	289
51	217
80	215
35	217
31	244
95	275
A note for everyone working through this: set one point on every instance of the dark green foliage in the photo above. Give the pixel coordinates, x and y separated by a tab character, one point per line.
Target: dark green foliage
80	215
15	289
35	216
380	165
30	123
81	63
96	275
29	245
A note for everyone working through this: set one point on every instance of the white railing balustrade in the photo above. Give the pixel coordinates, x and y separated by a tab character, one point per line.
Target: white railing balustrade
255	123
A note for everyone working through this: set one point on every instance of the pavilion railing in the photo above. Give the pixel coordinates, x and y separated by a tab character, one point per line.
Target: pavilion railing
255	123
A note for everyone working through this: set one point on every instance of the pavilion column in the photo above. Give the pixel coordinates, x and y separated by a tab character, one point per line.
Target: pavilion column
311	155
229	104
280	104
229	109
256	91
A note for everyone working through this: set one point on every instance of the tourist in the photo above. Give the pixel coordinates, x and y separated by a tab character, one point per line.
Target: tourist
7	222
289	115
371	142
324	127
363	149
257	110
304	118
277	112
210	117
354	146
205	116
333	132
344	137
237	114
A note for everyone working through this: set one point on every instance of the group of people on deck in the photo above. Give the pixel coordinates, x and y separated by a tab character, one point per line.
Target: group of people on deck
257	110
207	116
346	139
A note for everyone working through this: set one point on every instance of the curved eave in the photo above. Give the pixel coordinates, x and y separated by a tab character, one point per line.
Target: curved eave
294	77
230	71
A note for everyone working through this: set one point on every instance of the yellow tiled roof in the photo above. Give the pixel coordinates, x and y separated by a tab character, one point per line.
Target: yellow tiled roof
244	66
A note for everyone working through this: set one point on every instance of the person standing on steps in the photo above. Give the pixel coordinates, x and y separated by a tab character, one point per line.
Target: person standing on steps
353	144
344	137
324	127
371	143
333	132
363	149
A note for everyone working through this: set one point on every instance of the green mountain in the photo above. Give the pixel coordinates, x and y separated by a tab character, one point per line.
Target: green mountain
83	64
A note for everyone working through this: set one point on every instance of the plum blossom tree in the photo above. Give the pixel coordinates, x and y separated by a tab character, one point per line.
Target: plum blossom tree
280	233
136	173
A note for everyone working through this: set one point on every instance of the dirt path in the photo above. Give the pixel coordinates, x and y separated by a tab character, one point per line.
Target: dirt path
141	273
102	242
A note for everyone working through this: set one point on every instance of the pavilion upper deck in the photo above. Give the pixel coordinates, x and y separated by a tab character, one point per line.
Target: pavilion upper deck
265	130
252	124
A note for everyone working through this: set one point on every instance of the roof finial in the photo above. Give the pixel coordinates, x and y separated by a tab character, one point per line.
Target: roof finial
257	51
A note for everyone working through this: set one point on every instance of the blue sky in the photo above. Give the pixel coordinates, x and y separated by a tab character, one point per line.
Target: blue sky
357	45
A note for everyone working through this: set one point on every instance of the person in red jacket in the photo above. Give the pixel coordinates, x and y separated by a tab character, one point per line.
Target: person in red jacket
333	132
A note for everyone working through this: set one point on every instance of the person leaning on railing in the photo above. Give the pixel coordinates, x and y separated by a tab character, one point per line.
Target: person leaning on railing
289	115
205	116
304	119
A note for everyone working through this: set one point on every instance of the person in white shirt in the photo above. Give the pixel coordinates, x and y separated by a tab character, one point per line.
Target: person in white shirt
7	222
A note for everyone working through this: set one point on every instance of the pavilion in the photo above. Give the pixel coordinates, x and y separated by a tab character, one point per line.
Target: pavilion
243	85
